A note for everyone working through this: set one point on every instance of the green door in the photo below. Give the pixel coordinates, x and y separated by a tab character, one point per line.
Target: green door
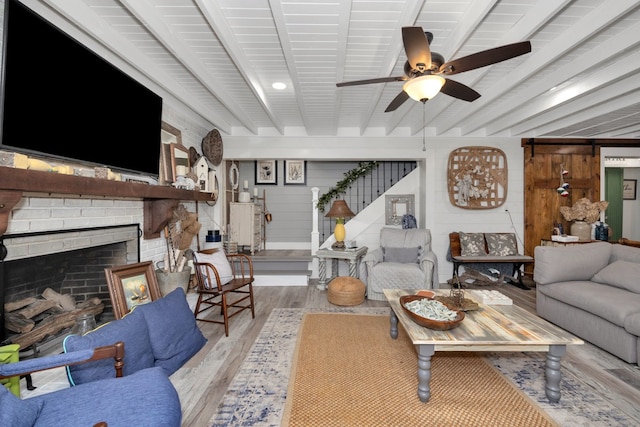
613	194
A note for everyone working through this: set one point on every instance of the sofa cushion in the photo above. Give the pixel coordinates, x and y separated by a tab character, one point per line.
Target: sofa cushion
138	354
402	255
16	412
575	262
501	244
621	274
625	253
174	335
219	260
472	244
145	398
610	303
632	324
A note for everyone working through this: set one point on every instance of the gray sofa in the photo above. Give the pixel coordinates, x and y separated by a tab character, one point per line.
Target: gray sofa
593	291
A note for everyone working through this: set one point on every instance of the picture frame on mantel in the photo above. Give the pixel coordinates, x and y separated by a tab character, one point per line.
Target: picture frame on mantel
170	137
131	285
295	172
266	172
629	189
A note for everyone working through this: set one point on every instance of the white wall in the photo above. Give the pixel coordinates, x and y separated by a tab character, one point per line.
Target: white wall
440	216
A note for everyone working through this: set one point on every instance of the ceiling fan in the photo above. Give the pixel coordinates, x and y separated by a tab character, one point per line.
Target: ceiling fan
424	69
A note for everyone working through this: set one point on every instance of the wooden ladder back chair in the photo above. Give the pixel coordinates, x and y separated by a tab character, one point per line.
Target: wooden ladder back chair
225	281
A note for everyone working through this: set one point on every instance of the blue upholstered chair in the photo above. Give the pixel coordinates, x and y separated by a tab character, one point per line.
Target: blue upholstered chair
144	398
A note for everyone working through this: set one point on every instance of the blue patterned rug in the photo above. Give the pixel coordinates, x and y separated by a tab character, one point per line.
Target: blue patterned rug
257	394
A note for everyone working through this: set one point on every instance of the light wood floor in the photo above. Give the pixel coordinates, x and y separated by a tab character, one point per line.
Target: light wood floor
600	370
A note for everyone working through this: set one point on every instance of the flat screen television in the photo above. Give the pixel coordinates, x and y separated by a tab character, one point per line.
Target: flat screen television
60	100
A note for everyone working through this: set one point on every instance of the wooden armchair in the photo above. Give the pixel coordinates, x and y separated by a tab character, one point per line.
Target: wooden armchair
16	369
29	366
143	398
224	281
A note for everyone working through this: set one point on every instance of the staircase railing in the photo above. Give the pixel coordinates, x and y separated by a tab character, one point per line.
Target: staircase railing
364	190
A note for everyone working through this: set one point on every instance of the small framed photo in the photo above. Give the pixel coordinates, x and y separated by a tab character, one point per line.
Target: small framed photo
629	189
266	172
179	160
295	172
131	285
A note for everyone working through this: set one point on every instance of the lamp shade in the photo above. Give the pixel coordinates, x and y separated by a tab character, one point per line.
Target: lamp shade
339	209
423	88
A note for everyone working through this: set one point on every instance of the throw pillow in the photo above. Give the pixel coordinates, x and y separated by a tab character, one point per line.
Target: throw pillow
402	255
17	412
472	244
138	354
174	335
219	260
621	274
502	244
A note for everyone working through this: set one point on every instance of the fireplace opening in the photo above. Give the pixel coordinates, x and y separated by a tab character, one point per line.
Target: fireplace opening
66	266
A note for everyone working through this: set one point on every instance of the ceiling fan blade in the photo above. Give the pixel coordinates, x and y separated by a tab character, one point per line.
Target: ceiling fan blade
416	46
459	90
484	58
397	101
368	81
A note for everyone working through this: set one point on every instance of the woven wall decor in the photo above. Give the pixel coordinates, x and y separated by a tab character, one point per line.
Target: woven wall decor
477	177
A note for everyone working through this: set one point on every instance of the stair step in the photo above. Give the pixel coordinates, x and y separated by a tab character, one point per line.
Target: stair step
281	272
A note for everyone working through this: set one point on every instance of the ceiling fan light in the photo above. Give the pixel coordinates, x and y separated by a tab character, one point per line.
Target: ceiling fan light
423	87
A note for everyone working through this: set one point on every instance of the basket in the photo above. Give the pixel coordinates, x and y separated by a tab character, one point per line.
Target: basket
437	325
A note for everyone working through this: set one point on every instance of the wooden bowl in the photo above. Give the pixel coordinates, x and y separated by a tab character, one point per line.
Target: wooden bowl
436	325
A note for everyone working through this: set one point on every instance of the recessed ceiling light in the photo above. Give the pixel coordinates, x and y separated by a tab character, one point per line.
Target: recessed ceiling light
279	86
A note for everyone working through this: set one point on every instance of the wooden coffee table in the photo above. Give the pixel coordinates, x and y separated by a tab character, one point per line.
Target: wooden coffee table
490	328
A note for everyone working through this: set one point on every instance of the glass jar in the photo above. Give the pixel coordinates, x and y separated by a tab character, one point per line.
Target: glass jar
84	323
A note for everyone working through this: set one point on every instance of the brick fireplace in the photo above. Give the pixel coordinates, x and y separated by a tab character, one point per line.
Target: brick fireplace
67	261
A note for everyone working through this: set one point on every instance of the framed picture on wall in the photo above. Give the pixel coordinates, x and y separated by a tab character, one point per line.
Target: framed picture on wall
266	172
295	172
629	189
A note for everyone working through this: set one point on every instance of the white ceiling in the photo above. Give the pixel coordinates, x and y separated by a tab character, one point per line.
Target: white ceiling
221	57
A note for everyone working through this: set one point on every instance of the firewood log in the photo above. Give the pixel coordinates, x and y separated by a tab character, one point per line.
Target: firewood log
52	325
16	305
18	323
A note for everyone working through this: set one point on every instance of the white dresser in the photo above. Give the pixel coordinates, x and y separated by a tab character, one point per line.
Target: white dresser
245	223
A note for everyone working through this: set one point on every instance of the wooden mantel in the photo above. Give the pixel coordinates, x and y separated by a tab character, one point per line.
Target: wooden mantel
159	201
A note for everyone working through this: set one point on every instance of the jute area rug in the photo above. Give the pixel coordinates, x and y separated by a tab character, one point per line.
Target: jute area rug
348	371
258	392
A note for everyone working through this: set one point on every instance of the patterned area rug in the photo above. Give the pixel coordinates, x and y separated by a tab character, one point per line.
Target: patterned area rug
257	394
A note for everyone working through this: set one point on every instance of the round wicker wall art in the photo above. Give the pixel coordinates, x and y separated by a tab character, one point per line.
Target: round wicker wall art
212	147
477	177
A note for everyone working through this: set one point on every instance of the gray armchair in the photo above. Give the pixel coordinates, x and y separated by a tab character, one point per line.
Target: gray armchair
404	260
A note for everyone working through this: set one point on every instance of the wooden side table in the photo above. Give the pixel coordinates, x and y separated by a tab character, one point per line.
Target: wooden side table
354	256
549	242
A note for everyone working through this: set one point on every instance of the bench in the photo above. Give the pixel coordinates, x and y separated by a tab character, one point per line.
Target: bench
488	248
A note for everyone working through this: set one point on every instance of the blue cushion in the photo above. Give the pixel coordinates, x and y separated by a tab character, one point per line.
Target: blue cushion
175	337
145	398
138	354
15	412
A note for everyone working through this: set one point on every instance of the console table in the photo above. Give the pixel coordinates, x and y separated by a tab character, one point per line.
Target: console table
354	256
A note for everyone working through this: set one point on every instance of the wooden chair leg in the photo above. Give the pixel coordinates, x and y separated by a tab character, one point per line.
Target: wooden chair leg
225	314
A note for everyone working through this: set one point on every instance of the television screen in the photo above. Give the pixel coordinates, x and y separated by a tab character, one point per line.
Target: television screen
63	101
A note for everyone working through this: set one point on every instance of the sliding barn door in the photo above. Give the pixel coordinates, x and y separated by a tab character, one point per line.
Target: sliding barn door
543	165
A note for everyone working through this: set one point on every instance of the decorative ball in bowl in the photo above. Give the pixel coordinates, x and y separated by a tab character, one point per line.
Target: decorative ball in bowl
434	314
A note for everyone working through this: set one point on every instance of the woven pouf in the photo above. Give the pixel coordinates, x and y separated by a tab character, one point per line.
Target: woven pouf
346	290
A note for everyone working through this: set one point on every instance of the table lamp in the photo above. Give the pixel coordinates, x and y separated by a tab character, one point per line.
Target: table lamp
339	210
